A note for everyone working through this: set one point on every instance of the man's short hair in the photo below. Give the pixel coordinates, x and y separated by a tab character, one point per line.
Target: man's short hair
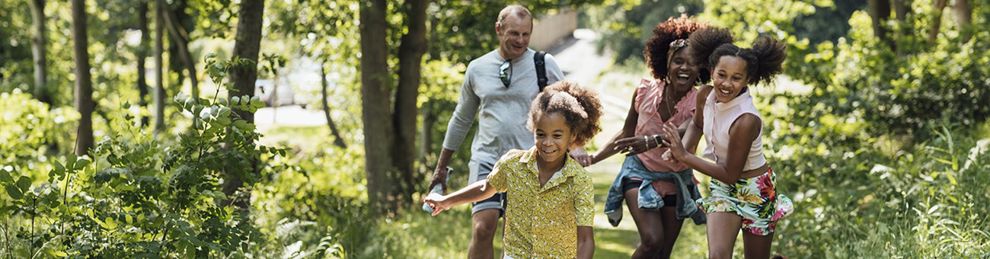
514	10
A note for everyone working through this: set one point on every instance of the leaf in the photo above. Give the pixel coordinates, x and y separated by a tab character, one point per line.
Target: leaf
59	169
5	177
61	254
13	191
81	163
223	121
23	183
952	179
70	160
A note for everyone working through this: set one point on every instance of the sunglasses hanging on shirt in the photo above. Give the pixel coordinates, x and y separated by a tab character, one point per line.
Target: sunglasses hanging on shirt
505	72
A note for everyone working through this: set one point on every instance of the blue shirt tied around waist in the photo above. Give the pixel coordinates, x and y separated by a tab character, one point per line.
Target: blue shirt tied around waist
649	199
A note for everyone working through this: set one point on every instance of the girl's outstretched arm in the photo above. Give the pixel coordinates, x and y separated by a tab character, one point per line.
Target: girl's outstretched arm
586	242
477	191
742	133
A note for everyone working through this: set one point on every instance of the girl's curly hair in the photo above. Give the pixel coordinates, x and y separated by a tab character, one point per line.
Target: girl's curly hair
579	106
763	61
655	51
704	41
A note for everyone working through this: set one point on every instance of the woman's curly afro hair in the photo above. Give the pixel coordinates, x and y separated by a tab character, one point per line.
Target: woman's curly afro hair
655	51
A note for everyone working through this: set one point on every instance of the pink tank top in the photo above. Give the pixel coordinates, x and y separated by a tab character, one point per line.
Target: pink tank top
648	96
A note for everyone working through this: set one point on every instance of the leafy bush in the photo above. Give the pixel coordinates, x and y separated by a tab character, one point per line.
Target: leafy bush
138	196
856	201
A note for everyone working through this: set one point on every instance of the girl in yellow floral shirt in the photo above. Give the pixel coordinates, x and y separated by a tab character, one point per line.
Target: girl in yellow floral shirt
550	215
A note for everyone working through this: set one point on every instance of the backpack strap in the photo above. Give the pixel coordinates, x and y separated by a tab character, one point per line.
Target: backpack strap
541	69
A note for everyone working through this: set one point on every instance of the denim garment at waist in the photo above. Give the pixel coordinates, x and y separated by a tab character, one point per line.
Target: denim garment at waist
649	199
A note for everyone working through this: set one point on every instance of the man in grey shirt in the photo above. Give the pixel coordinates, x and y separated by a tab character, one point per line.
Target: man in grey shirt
498	88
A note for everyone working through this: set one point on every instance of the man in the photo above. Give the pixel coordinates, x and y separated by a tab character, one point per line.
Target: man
500	87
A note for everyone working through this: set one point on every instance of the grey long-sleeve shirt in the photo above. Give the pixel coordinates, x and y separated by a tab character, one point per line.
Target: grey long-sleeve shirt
502	112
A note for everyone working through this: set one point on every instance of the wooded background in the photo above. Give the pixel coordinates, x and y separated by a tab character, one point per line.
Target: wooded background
127	127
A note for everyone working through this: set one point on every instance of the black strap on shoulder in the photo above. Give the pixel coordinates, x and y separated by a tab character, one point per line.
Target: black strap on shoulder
541	69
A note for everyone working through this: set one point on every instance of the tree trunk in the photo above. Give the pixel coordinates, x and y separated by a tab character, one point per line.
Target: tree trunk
902	8
142	53
880	11
434	35
964	17
375	112
247	43
179	35
413	45
159	93
246	47
936	20
338	141
84	87
39	40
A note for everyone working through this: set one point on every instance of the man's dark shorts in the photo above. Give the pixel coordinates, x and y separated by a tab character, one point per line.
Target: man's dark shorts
480	171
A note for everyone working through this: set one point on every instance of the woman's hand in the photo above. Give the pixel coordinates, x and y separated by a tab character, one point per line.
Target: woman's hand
635	144
672	139
437	202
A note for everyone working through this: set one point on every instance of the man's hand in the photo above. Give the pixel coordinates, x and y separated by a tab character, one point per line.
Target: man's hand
439	177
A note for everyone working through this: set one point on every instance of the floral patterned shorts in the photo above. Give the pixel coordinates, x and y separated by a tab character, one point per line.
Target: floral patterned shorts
754	199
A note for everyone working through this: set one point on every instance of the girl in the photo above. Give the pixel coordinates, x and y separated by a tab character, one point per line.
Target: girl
742	189
550	215
658	193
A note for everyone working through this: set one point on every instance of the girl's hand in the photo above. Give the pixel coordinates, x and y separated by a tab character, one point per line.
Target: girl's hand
672	139
437	202
581	156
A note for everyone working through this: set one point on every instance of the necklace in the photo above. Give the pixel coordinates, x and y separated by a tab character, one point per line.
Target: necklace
666	99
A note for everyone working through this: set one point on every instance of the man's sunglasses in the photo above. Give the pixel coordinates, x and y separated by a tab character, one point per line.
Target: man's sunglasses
505	72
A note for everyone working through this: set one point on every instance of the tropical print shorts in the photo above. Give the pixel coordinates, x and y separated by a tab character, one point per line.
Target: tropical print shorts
754	199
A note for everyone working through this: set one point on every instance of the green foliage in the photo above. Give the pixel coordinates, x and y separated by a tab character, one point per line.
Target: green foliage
857	200
27	125
627	25
140	196
828	21
216	16
15	46
901	91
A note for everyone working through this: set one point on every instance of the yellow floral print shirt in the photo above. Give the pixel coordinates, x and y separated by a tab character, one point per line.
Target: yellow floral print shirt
541	222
